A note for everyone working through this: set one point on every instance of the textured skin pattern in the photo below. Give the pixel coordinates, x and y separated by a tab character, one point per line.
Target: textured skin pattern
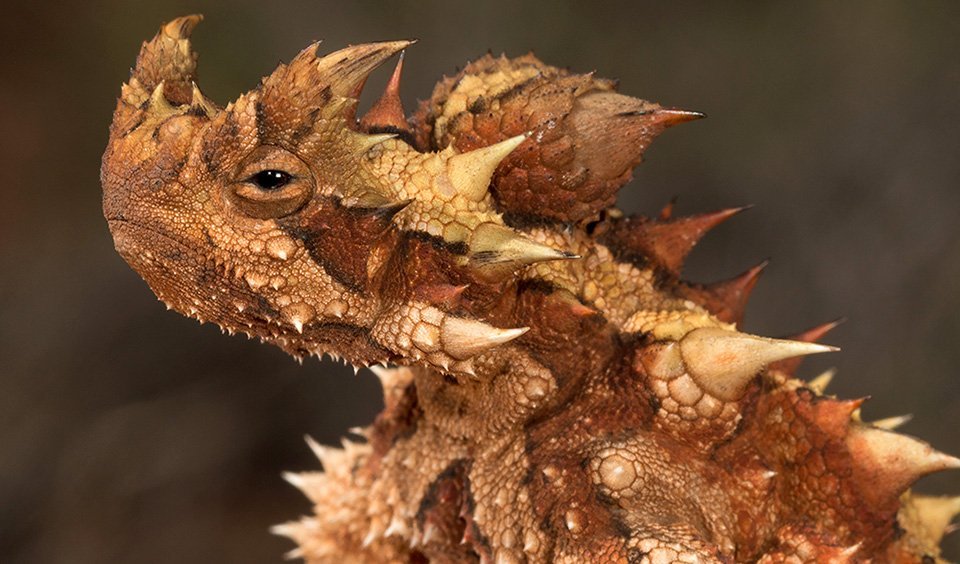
558	392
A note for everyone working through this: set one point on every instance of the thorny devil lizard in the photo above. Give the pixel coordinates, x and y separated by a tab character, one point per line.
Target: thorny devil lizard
559	393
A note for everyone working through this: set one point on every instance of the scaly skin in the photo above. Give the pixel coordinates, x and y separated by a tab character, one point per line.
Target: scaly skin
559	393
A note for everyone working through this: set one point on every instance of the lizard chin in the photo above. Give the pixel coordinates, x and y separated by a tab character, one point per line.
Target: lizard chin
155	254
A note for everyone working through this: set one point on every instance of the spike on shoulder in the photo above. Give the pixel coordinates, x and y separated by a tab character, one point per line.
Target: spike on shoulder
723	362
471	172
498	251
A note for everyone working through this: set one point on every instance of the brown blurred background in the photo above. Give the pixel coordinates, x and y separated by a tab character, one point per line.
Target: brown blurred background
130	434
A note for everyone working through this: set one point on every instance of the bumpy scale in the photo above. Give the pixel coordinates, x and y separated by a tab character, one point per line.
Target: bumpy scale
559	393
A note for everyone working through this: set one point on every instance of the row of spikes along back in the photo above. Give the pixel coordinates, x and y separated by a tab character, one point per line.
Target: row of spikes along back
664	243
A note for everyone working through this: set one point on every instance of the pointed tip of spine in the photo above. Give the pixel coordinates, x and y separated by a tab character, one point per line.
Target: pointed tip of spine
182	27
670	241
498	251
888	462
318	450
728	299
158	99
390	210
668	117
294	479
471	172
283	530
814	334
892	423
789	366
387	112
820	383
850	551
724	362
748	279
441	294
200	102
463	338
666	212
376	204
393	85
346	68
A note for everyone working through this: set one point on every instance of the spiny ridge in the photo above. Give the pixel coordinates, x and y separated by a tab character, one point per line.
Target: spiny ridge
498	251
586	137
723	362
665	241
886	463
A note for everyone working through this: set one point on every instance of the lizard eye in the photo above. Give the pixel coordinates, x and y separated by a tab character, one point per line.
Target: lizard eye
271	182
271	179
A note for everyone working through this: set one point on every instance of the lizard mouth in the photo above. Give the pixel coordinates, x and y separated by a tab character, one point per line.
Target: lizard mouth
136	241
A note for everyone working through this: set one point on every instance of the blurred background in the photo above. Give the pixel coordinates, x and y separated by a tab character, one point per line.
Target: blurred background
130	434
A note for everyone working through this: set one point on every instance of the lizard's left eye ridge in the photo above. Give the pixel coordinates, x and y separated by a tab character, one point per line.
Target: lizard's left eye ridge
271	179
270	183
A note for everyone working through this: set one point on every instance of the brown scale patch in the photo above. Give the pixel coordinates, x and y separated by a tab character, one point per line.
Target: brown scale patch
341	239
568	343
444	517
559	331
585	139
220	142
573	511
429	268
803	440
395	422
286	118
539	179
575	520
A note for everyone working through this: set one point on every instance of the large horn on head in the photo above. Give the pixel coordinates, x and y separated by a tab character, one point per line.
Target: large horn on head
167	58
163	75
315	87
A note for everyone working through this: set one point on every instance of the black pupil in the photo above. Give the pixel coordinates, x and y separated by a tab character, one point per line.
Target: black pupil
270	179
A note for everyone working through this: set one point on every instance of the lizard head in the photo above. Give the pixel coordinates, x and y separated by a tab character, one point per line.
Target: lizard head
283	216
219	209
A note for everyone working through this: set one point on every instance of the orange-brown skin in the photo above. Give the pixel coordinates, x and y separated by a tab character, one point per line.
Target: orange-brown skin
560	394
586	138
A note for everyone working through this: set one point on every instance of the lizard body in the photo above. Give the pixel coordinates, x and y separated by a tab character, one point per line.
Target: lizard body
558	393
